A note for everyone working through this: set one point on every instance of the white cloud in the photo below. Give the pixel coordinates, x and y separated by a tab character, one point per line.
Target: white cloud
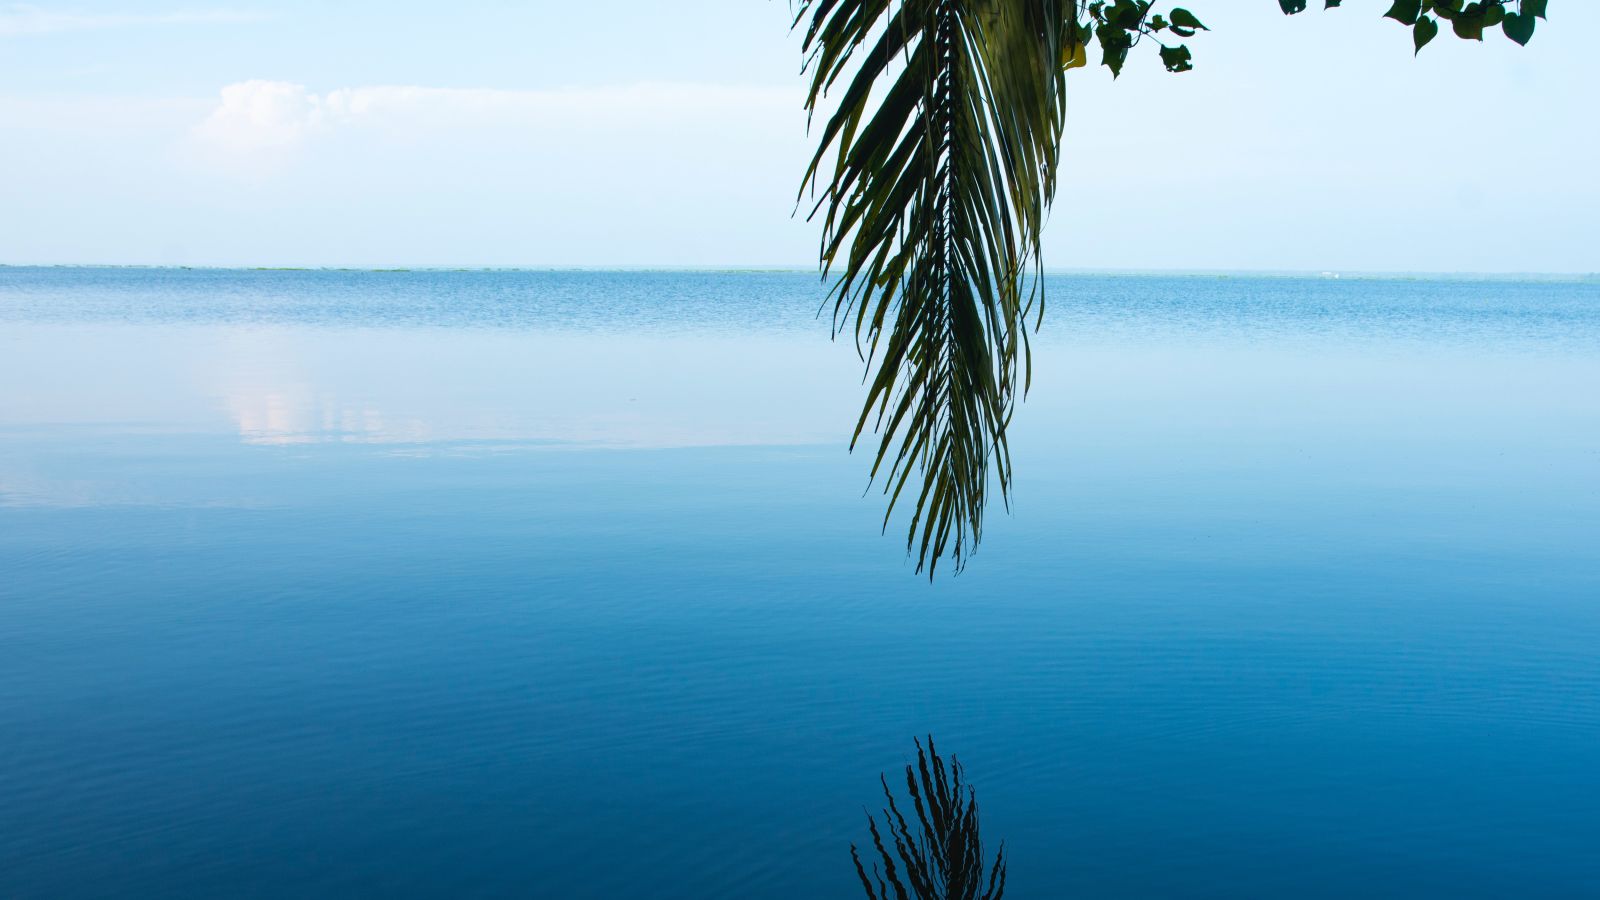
270	118
20	19
258	116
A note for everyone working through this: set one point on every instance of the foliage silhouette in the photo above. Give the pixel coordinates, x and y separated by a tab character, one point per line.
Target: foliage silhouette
936	169
942	859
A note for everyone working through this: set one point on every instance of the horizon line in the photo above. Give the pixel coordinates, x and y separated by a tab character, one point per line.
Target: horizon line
1331	274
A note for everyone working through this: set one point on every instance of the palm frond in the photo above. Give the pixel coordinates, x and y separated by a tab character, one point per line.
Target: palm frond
935	169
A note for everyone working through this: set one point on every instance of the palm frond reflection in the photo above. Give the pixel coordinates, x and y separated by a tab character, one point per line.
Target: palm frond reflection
940	857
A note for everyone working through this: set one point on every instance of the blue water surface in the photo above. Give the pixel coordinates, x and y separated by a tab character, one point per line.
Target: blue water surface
563	584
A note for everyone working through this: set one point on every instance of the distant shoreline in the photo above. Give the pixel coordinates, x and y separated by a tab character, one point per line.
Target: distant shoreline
1566	277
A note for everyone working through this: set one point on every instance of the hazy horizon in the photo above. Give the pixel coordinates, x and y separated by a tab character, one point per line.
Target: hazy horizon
756	268
366	135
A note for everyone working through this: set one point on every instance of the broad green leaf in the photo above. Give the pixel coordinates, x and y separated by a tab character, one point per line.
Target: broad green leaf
1424	31
1114	45
1405	11
1113	58
1126	14
1518	27
1176	59
1290	7
1468	29
1183	17
1534	8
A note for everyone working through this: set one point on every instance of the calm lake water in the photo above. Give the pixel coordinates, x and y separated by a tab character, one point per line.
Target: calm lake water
564	585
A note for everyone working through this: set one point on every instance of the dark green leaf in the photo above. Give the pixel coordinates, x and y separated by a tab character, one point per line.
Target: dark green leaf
1176	59
1290	7
1467	29
1534	8
1183	17
1405	11
1126	14
1332	4
1518	27
1113	58
1114	46
1424	31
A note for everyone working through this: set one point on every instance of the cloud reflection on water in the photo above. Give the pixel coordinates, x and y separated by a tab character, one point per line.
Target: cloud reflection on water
291	386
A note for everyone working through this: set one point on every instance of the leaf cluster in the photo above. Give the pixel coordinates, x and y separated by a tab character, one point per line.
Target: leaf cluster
1122	24
941	856
1467	19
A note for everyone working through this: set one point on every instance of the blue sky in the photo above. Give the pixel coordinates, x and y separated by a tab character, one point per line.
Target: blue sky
645	133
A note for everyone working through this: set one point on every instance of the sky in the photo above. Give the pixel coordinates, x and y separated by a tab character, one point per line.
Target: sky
642	133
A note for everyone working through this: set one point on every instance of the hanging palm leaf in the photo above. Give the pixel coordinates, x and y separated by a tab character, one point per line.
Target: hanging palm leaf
940	159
